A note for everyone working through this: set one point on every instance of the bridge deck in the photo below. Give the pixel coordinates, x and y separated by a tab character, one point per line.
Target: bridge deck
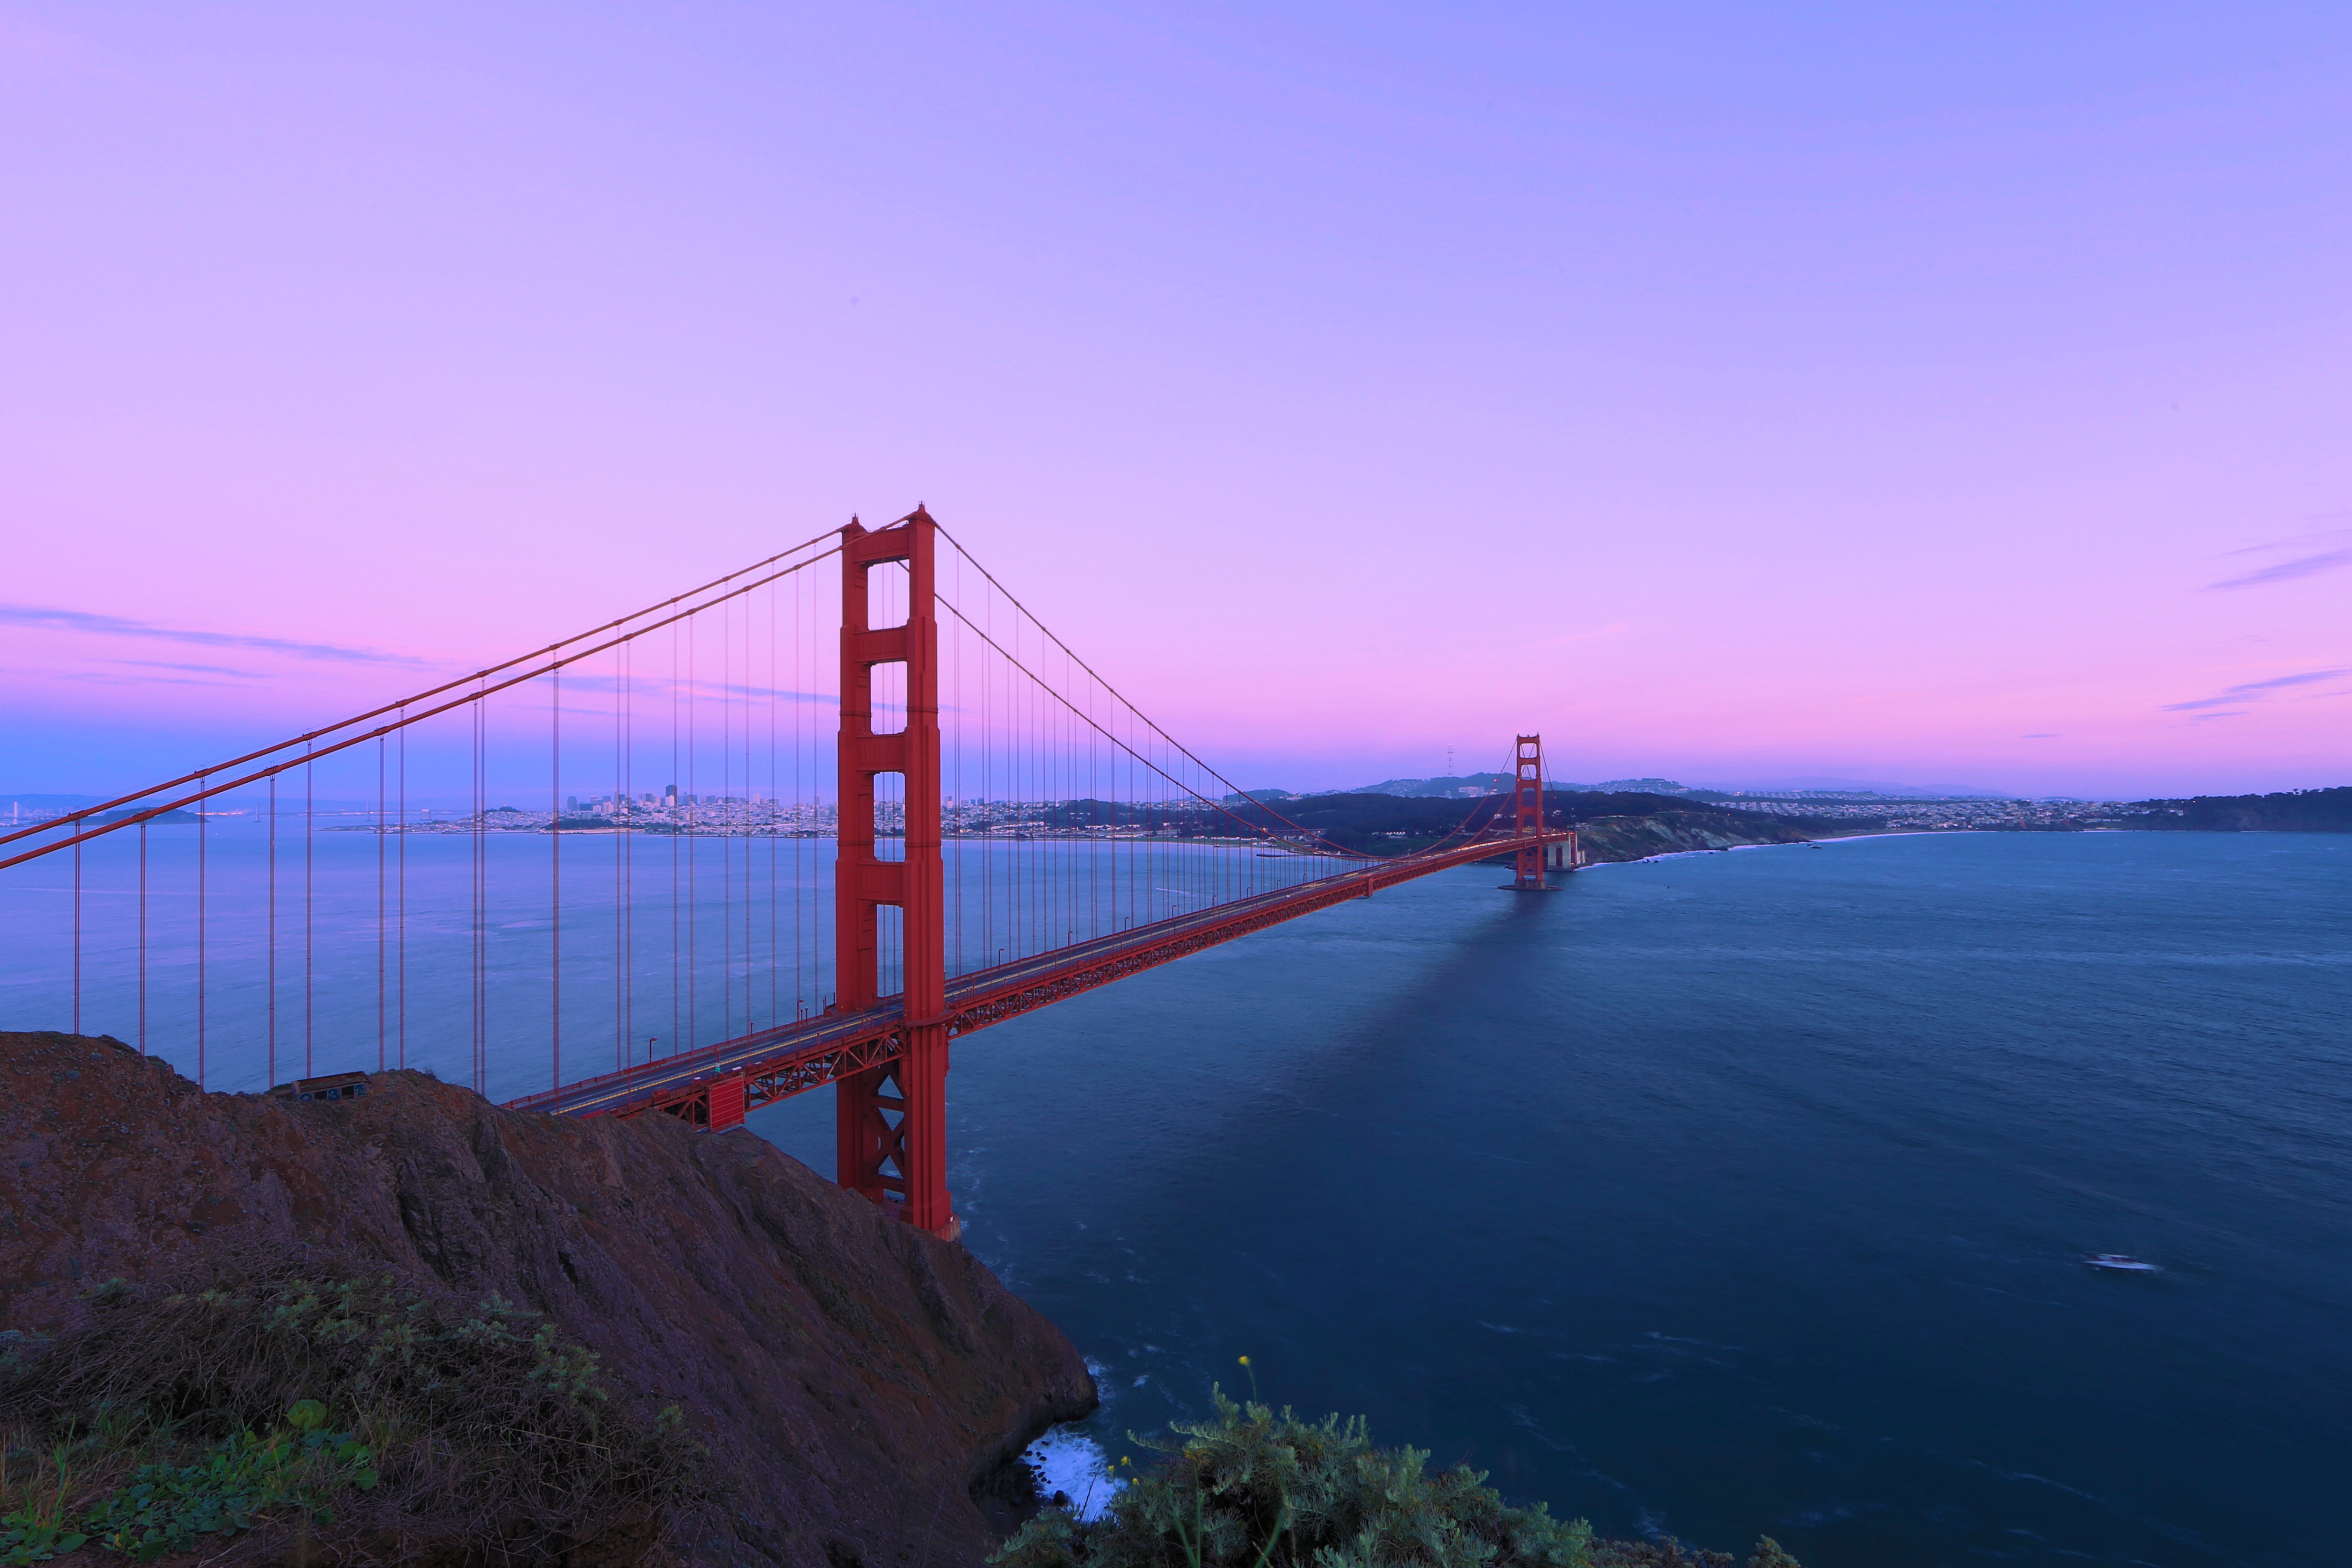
715	1084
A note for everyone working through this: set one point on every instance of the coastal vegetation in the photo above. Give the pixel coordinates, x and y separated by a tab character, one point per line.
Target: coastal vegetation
247	1391
1253	1487
2287	811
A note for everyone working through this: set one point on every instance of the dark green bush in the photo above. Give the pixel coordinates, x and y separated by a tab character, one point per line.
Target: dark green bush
165	1507
282	1388
1251	1488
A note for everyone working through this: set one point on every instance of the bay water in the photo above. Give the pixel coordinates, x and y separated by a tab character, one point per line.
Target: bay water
1737	1193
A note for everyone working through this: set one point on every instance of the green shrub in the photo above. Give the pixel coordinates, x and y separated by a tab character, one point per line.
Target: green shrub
25	1540
272	1388
165	1507
1251	1488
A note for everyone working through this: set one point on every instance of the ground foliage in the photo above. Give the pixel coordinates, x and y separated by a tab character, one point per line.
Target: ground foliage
1255	1489
1252	1488
275	1390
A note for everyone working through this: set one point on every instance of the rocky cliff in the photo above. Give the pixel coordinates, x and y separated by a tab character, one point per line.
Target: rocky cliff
857	1382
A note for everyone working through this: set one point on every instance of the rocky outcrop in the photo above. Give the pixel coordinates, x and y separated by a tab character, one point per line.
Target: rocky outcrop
857	1382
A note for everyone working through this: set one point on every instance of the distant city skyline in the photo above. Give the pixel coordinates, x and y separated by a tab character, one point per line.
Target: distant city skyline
1926	394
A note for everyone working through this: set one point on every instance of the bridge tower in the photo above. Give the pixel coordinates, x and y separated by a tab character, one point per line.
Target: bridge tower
892	1119
1527	802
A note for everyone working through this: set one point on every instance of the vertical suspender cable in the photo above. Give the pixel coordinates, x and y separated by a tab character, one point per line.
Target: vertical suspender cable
142	939
776	820
749	822
555	876
802	935
310	817
629	853
955	776
620	896
77	939
204	829
479	782
676	805
744	817
726	859
400	919
382	989
269	975
690	810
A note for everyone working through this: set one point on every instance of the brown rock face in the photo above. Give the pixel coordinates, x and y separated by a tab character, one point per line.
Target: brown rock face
855	1379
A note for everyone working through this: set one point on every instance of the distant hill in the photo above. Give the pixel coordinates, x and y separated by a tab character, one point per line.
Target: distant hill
1457	785
2289	811
1469	786
1395	824
1451	786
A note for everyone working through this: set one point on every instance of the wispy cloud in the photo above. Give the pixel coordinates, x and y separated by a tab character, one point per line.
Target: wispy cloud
2300	566
117	626
109	677
2232	713
193	669
2255	691
2293	540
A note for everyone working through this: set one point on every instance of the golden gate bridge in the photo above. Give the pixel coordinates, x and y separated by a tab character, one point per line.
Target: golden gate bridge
1007	831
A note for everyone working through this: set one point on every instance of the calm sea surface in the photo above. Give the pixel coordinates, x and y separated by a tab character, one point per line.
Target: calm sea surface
1735	1194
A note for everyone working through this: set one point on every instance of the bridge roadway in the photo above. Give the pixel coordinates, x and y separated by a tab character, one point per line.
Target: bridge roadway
715	1085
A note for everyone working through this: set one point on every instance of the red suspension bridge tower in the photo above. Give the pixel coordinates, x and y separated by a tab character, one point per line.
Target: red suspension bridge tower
892	1118
1526	814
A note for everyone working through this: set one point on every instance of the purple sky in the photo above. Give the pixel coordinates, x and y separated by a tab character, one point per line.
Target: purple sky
1955	396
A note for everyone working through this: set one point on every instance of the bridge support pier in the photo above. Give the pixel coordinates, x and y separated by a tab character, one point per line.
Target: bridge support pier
892	1120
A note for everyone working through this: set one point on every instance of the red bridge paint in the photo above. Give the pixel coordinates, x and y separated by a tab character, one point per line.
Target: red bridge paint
887	1057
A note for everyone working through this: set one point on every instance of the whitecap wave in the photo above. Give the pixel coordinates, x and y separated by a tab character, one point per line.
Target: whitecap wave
1069	1462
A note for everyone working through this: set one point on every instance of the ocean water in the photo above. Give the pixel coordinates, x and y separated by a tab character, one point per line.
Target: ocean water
1737	1193
1715	1195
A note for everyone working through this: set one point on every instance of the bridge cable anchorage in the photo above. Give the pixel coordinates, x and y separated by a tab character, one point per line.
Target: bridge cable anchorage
980	825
